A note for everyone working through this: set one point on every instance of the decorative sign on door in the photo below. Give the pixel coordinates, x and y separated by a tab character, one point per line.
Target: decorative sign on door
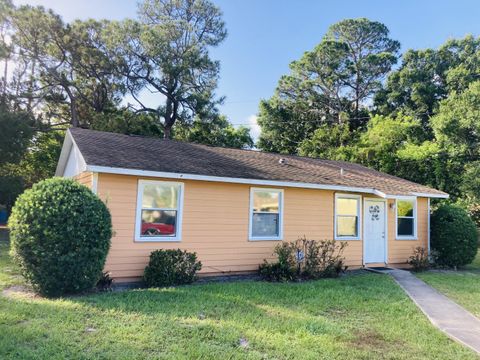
375	212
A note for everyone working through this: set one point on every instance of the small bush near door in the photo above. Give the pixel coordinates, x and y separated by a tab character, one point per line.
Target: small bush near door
305	259
419	261
171	267
453	236
60	233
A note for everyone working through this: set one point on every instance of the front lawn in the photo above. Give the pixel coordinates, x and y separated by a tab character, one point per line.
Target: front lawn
362	316
462	286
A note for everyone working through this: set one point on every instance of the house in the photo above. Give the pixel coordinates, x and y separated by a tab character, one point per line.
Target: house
233	206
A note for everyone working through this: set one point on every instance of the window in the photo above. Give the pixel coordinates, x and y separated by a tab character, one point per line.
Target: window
159	214
347	217
406	218
266	214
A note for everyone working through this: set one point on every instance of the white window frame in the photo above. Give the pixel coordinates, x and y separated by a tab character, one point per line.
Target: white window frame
138	218
415	219
280	215
359	214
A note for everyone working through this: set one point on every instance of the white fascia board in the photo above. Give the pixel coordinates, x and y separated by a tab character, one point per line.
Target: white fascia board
433	196
169	175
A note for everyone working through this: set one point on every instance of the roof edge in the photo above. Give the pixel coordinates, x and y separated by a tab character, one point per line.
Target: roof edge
64	153
171	175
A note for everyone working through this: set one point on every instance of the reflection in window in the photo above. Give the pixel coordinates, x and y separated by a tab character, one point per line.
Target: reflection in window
159	210
406	218
265	215
347	215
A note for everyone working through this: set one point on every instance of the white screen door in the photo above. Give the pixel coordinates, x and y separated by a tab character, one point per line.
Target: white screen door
374	231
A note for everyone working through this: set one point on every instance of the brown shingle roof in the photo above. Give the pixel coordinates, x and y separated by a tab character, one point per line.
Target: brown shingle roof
154	154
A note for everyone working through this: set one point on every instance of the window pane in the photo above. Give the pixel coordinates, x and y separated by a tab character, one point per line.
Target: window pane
347	226
160	196
265	225
405	227
267	201
347	206
158	223
404	208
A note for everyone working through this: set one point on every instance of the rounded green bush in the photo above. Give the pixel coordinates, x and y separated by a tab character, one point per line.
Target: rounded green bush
171	267
453	236
60	236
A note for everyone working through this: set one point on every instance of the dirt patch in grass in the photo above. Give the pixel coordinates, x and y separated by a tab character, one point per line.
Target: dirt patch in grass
19	291
371	339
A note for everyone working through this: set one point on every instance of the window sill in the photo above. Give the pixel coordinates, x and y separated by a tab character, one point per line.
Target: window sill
157	239
264	239
347	239
407	238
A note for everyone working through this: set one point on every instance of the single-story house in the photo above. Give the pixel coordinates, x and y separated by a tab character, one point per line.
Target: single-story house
232	206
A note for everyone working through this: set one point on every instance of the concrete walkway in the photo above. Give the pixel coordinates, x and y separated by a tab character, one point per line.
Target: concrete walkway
445	314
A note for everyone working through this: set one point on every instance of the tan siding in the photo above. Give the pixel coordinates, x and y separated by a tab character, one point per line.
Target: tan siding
400	250
215	226
85	178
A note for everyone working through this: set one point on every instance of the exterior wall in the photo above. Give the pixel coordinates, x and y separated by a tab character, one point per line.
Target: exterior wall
215	226
400	250
85	178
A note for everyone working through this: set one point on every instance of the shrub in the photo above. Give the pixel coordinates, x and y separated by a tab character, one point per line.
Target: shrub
453	236
321	258
305	259
105	282
171	267
284	268
419	260
60	233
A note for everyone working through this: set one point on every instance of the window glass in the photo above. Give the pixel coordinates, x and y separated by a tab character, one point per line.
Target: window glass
346	210
347	206
266	212
347	226
265	224
158	222
163	196
159	212
405	226
266	201
405	208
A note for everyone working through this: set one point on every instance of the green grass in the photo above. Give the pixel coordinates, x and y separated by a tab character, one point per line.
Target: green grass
363	316
462	286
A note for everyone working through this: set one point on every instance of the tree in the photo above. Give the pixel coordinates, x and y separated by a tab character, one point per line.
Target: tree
328	142
384	138
329	85
369	54
166	53
427	77
62	69
284	125
218	132
16	131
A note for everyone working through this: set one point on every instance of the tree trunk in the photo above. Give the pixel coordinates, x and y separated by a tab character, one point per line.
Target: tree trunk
75	121
167	132
74	113
5	74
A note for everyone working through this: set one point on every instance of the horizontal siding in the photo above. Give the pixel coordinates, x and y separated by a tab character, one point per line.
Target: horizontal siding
85	178
400	250
215	226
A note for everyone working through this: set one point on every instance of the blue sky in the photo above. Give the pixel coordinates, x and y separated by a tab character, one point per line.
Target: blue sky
266	35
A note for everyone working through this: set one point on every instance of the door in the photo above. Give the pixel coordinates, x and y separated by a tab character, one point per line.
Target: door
375	244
